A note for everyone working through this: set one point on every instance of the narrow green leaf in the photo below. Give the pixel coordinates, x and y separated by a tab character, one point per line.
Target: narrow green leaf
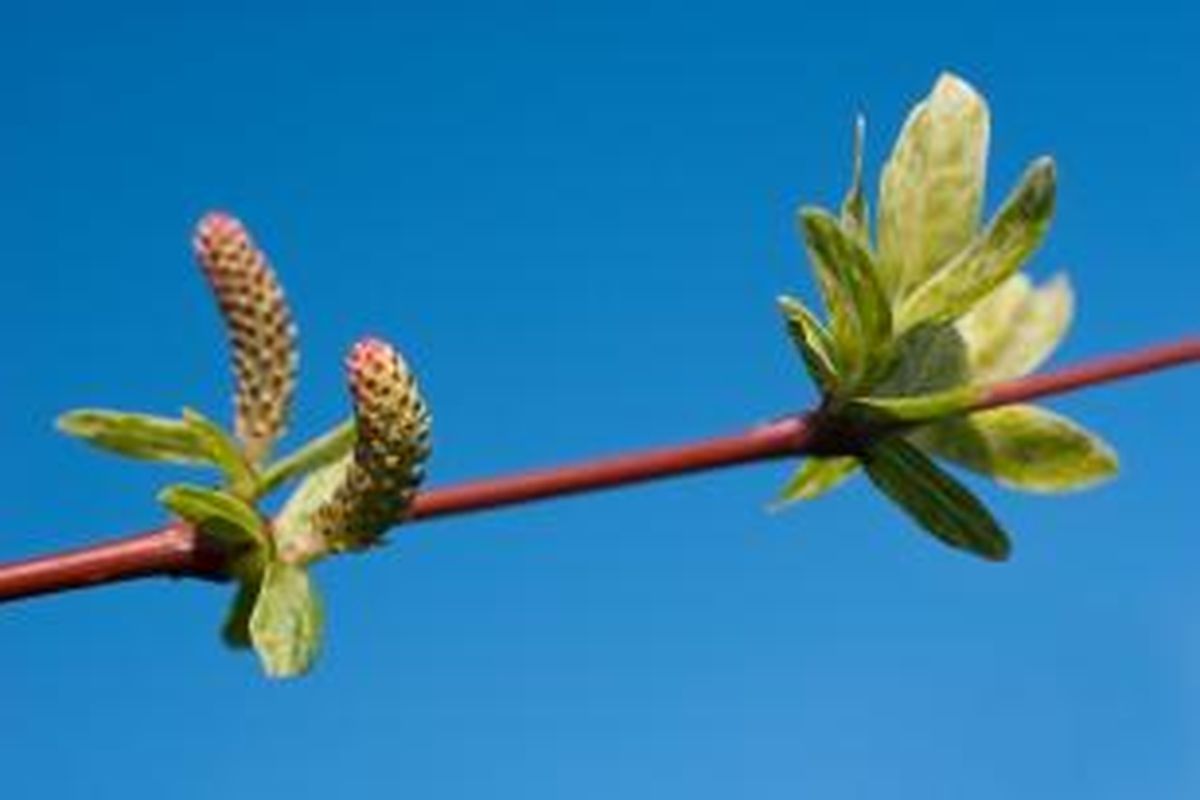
236	630
940	504
813	342
931	190
860	315
1014	330
141	436
317	453
1009	240
815	477
910	410
843	320
286	624
223	516
854	216
223	451
1024	447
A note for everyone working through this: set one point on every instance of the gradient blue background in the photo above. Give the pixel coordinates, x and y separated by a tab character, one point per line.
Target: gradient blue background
575	219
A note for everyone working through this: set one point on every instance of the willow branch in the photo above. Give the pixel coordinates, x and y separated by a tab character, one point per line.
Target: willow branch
177	551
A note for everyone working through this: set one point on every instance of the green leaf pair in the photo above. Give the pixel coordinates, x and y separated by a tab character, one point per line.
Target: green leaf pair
276	609
924	318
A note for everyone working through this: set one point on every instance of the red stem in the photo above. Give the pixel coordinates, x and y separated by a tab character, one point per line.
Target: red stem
173	550
788	436
1092	373
177	551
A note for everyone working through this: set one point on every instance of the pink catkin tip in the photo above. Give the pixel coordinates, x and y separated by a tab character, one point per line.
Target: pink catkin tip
370	354
217	224
370	349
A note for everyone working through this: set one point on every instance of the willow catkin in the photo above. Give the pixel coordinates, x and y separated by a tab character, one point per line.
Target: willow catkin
391	446
261	332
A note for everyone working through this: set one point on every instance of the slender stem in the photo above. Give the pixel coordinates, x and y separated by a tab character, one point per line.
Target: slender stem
1092	373
788	436
173	550
176	550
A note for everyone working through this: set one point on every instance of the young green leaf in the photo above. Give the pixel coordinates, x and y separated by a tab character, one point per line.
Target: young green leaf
236	630
1014	330
813	342
1009	240
141	436
928	359
317	453
223	451
286	624
931	190
223	516
911	410
854	216
940	504
860	315
815	477
296	536
1024	447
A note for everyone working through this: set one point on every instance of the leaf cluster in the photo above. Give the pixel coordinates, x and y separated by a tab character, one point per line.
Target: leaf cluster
923	315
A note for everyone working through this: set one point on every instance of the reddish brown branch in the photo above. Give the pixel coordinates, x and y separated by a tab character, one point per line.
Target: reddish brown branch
788	436
177	551
174	550
1092	373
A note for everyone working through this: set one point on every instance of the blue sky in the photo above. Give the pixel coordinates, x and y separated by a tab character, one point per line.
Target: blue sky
574	220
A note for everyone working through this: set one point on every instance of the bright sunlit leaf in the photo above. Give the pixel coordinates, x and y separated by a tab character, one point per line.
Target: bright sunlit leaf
1016	328
931	191
1009	240
1024	447
141	436
286	624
